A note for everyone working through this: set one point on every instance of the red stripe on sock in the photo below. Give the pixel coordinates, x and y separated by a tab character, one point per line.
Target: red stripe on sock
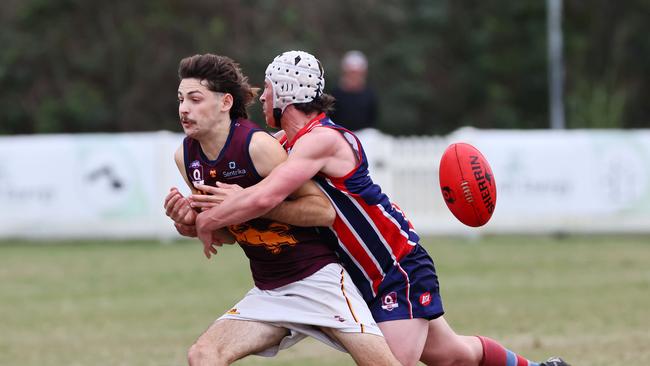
521	361
493	353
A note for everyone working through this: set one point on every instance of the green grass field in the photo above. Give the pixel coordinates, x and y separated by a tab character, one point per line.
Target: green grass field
144	303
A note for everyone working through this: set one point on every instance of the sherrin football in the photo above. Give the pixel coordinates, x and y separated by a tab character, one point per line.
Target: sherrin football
467	184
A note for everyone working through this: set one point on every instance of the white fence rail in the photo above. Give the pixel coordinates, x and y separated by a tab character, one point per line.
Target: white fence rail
113	185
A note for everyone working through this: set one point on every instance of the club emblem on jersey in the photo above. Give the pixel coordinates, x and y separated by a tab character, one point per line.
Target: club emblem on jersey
425	299
271	235
196	171
389	301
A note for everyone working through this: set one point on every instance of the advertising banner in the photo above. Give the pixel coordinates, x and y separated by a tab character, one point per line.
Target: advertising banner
113	185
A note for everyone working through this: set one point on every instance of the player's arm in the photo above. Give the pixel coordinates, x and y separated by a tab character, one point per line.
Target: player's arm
307	205
310	154
177	207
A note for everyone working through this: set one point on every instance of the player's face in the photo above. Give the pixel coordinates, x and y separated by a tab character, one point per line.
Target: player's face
267	104
199	108
354	78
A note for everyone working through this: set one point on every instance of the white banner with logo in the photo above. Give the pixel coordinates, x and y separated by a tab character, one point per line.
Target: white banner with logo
94	185
113	185
576	181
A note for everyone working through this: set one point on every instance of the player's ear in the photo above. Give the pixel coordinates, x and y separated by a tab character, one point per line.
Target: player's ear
226	102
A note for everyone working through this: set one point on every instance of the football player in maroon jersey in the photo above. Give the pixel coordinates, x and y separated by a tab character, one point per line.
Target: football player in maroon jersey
300	288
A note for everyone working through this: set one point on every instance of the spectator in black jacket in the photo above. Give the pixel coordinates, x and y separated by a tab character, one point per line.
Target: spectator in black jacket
356	103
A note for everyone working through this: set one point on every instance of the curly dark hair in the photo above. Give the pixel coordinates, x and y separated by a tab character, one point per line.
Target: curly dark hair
222	75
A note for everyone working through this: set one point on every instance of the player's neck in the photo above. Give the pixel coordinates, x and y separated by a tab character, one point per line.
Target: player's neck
215	139
293	120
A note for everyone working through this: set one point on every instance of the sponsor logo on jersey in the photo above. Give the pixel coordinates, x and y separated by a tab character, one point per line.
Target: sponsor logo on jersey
339	318
425	299
389	301
213	173
234	172
232	311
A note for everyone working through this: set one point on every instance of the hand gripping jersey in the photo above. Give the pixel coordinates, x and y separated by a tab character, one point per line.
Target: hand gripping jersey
279	253
373	234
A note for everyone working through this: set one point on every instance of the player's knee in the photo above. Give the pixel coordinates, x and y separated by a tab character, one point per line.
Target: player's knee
201	353
194	356
197	354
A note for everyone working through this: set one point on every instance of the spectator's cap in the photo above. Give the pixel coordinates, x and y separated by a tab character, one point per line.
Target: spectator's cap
296	77
354	60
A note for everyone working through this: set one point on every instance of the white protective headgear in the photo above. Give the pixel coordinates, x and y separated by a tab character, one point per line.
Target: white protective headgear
296	77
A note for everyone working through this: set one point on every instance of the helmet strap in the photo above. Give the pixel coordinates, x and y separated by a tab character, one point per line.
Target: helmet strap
277	115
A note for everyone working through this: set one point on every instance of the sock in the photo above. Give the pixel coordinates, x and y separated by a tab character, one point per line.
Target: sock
495	354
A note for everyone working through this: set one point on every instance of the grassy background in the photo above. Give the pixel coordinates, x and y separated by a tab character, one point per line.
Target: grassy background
144	303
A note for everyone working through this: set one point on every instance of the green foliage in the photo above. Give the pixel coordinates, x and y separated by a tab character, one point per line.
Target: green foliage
100	65
606	68
595	106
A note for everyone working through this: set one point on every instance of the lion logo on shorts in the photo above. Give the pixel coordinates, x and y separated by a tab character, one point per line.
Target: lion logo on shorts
269	234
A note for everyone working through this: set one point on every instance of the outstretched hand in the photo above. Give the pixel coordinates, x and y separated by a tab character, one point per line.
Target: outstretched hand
178	208
214	195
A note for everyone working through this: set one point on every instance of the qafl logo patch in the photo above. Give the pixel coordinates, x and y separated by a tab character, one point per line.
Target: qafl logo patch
389	301
196	172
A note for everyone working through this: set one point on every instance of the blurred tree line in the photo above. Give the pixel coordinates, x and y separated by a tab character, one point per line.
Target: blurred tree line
106	65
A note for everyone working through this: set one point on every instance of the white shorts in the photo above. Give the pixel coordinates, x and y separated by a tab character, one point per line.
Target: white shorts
328	298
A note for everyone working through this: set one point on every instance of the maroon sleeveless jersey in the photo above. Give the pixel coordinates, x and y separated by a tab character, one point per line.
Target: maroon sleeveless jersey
279	253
